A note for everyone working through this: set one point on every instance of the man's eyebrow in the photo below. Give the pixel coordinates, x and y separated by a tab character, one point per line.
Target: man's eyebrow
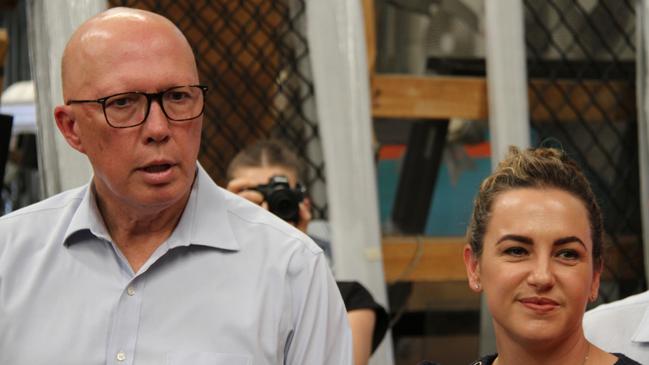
569	239
517	238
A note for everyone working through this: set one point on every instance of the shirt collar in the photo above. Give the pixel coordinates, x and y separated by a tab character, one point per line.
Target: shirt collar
87	217
204	221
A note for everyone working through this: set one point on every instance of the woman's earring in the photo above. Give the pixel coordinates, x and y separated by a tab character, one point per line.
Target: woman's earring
593	298
477	286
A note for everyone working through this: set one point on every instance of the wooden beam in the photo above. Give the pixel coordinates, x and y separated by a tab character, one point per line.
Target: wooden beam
442	295
369	16
4	44
417	97
403	96
424	259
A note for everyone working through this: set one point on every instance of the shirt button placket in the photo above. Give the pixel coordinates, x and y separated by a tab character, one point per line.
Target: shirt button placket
121	356
127	318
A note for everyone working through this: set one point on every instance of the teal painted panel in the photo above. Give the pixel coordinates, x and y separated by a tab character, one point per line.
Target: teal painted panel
452	201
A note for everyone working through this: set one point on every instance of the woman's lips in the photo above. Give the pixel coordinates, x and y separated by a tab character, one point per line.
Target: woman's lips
539	304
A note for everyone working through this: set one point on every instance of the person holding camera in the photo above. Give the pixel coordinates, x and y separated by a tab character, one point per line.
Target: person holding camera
274	187
267	173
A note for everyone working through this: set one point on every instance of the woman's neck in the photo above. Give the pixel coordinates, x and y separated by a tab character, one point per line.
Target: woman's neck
574	349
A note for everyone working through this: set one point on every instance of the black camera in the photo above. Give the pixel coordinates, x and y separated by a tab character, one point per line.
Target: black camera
283	201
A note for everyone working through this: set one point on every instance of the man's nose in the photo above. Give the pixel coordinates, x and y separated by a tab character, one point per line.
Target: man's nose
156	126
541	275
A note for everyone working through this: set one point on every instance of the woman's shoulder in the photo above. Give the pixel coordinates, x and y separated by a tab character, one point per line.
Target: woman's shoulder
623	360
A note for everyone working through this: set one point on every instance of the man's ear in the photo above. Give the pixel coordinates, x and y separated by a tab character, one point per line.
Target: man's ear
68	125
472	265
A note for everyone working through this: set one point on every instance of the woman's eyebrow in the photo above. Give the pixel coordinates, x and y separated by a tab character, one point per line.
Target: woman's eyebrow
517	238
569	239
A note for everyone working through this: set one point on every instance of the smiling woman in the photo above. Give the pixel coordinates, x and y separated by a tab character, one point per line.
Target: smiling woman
535	250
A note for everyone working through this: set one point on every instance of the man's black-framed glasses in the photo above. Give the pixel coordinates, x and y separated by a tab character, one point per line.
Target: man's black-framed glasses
130	109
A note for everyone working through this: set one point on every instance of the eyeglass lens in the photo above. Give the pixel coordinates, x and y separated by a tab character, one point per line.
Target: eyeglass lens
179	103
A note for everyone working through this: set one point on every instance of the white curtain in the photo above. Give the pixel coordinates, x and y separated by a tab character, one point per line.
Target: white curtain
340	73
50	24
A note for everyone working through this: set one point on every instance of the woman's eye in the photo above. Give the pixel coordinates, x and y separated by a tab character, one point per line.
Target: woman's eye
568	254
516	251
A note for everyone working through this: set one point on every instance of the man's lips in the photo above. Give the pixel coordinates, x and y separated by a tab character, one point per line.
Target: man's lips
156	168
158	172
539	304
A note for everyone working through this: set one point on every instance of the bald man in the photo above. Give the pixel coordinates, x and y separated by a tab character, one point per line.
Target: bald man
151	262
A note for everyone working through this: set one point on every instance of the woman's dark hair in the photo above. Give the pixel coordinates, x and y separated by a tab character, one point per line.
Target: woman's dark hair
535	168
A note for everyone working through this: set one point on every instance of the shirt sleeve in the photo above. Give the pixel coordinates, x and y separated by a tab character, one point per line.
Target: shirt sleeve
321	333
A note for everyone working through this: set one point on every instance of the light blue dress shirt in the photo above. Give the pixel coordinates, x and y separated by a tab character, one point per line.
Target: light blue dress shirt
232	285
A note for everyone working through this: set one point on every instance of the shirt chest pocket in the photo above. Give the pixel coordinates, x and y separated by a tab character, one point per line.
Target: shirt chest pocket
207	358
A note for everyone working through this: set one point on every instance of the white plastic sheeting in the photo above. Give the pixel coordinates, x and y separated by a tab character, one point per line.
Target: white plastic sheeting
509	122
50	25
642	97
340	73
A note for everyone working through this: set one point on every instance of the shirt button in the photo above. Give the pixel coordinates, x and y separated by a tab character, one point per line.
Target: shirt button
121	356
130	291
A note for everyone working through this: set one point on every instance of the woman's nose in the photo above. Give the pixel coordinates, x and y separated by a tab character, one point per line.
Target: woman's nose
541	276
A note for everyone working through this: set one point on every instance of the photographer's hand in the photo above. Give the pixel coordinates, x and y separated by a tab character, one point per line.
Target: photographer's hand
305	215
244	188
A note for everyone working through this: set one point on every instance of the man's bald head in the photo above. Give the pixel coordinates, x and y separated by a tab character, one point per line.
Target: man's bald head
112	34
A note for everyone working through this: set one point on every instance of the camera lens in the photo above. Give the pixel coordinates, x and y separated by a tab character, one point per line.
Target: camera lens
284	204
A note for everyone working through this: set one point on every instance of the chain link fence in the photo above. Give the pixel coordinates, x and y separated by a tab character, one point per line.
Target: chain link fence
253	55
581	69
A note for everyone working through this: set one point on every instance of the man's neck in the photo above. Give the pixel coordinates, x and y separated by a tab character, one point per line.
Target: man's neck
138	232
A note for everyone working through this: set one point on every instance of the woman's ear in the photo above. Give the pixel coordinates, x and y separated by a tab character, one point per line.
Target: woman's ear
68	126
472	264
594	286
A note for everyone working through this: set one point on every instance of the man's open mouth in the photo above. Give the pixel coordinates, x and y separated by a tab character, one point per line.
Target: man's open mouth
157	168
